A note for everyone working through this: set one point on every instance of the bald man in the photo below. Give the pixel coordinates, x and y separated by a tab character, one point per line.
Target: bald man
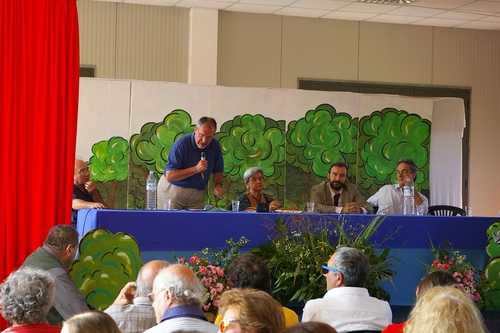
132	310
177	299
85	193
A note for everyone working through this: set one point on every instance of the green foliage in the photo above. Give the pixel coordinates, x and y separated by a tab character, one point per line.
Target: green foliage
385	137
490	279
105	263
299	247
149	149
109	167
249	141
223	257
321	138
110	160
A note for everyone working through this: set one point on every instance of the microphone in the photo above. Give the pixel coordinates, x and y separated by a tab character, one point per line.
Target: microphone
203	158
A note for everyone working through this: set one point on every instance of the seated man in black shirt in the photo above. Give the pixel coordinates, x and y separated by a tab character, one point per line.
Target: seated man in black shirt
85	193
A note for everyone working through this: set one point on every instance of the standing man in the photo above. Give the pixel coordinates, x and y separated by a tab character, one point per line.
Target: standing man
191	161
347	306
177	299
390	198
55	256
132	310
85	193
335	195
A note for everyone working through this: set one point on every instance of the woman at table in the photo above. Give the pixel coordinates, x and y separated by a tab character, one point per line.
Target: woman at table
254	180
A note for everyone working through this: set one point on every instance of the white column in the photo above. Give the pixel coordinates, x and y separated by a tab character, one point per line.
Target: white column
203	36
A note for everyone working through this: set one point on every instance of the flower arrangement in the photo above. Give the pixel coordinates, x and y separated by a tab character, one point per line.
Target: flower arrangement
212	274
447	259
299	247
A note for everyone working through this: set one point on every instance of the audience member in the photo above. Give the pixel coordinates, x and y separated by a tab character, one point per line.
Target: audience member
25	299
55	256
177	297
389	198
336	195
191	161
85	193
433	279
250	311
132	310
310	327
254	181
90	322
250	271
445	309
347	306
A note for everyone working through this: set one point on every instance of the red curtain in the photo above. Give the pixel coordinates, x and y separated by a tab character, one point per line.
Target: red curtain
39	66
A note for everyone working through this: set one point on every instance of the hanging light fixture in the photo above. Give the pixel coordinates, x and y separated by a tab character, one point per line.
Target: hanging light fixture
389	2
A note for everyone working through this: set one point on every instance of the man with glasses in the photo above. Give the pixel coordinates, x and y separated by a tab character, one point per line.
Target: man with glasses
191	161
336	195
85	193
347	306
132	310
177	297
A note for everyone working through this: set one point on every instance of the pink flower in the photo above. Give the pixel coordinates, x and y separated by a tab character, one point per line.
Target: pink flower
182	260
193	259
450	262
446	267
202	270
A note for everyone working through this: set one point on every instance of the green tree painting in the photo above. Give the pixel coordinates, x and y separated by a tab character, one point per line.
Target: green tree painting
249	141
149	151
109	168
105	263
385	137
316	141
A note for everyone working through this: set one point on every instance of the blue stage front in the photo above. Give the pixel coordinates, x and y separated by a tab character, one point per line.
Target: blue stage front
161	232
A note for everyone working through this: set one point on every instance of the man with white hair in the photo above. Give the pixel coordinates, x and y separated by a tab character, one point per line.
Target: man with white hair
177	299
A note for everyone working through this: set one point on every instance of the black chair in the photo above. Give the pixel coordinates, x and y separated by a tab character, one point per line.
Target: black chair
443	210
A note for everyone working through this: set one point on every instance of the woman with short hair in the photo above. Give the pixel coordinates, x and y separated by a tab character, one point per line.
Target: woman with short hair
26	297
254	198
250	311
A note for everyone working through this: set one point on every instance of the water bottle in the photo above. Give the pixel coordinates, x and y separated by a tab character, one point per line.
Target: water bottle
151	191
409	199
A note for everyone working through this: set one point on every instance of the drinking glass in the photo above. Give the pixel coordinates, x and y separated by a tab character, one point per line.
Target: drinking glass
236	205
310	207
468	210
167	204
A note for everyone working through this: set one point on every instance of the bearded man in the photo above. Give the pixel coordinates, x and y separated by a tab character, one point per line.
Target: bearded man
336	195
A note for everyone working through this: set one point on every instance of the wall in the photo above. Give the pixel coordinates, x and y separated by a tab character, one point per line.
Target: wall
257	50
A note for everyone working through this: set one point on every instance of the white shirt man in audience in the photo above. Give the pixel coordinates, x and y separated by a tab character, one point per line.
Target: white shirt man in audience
132	310
347	306
177	298
389	198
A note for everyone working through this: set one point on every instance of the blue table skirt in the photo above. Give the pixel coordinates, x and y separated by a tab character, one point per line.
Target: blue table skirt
161	232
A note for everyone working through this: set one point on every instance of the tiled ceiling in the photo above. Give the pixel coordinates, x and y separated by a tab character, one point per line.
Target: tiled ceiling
484	15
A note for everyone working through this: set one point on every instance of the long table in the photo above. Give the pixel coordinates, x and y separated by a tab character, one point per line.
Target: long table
161	232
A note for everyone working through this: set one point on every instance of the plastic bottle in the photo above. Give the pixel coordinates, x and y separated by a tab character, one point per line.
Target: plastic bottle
409	199
151	191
